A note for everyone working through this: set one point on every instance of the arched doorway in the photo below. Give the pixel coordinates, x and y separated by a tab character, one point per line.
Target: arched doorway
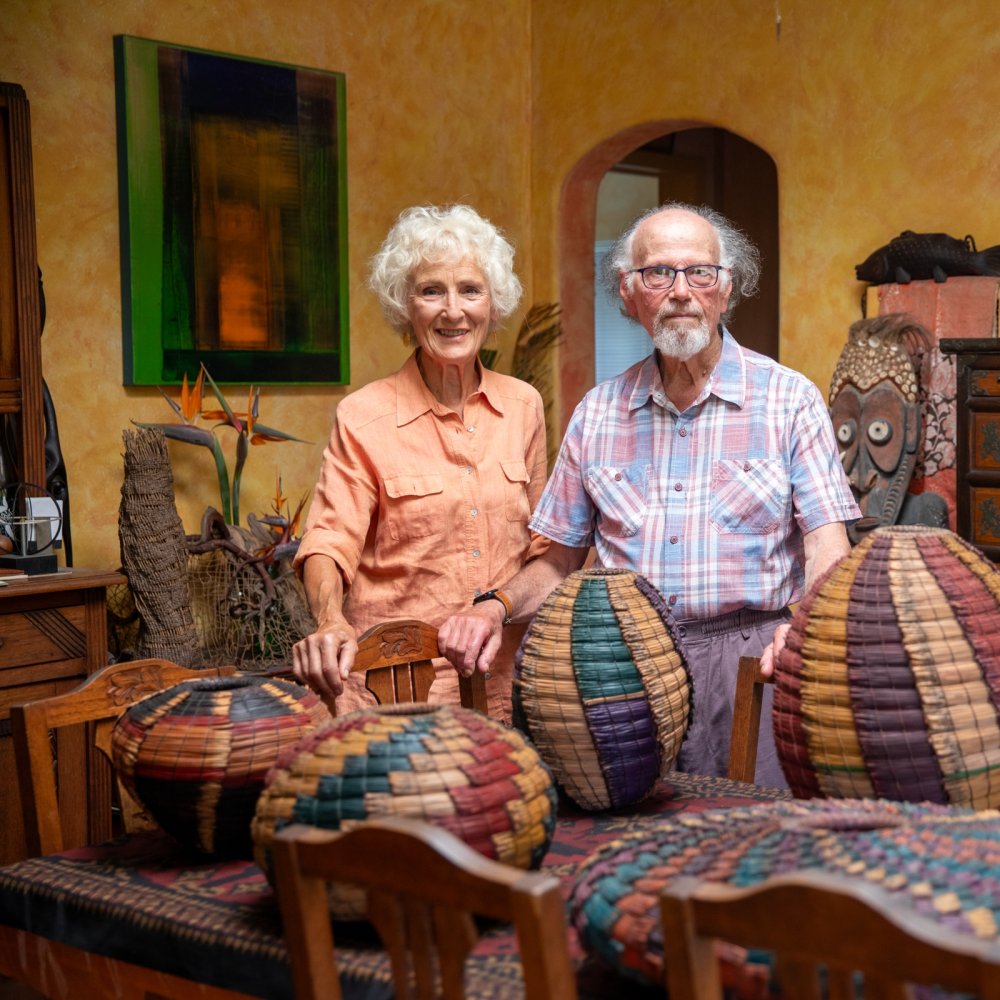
686	160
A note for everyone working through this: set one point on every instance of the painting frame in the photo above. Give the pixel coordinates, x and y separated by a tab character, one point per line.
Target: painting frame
233	217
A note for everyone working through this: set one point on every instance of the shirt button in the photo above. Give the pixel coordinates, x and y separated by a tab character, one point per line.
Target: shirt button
673	539
683	432
618	477
470	428
678	487
474	512
468	470
672	599
475	553
746	466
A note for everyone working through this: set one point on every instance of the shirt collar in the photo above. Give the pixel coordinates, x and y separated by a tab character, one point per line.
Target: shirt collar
727	381
413	398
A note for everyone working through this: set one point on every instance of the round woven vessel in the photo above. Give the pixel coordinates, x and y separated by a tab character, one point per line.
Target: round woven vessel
451	766
890	681
602	687
196	754
941	861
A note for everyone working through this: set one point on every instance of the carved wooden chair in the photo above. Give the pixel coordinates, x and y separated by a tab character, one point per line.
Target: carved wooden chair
53	811
424	887
396	658
813	921
746	719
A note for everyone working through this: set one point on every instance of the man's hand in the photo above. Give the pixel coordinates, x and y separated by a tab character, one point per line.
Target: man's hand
471	639
324	659
769	658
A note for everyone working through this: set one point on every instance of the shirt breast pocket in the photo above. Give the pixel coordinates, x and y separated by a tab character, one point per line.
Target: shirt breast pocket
620	495
749	496
515	490
413	506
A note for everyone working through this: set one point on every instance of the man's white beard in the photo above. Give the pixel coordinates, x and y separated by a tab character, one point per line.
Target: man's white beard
680	342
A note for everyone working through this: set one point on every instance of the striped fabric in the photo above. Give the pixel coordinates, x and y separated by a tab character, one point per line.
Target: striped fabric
710	505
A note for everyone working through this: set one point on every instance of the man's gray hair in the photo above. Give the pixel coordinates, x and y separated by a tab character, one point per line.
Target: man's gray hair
737	252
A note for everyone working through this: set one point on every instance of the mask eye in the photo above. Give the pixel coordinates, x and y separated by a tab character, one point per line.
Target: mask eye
879	431
845	433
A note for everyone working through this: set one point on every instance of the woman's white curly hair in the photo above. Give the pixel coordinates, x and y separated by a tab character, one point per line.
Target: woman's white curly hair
435	234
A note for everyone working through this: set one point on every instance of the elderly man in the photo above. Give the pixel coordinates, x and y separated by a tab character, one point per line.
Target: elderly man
709	469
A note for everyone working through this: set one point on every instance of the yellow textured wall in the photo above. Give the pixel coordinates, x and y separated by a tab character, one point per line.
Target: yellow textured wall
437	110
880	115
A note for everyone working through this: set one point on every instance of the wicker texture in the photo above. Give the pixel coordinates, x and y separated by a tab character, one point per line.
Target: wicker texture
451	766
890	681
153	552
942	861
196	754
602	687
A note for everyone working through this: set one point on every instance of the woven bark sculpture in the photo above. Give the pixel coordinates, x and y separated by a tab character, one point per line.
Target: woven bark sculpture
153	551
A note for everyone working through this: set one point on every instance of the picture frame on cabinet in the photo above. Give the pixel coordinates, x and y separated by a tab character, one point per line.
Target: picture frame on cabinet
233	217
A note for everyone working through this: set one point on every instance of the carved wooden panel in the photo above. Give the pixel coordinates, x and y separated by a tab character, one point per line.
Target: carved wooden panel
21	399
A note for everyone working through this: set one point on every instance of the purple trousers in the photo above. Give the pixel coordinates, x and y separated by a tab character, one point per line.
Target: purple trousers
714	647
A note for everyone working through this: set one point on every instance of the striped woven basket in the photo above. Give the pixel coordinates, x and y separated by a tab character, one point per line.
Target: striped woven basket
890	682
196	754
602	687
450	766
940	861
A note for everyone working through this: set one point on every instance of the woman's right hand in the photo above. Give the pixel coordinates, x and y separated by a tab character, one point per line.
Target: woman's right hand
324	659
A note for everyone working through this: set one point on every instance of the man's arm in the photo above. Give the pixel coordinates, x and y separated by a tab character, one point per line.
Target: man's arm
470	640
324	659
824	546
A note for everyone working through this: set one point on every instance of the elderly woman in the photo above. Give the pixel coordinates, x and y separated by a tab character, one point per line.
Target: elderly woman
430	474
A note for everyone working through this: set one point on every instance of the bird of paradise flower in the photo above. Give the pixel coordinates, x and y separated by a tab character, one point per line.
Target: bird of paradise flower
249	431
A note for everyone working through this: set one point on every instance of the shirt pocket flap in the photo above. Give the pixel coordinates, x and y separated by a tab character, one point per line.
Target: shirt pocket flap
413	486
515	470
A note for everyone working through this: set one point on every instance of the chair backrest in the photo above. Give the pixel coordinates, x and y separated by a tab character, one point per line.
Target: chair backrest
746	719
49	806
396	657
423	886
825	932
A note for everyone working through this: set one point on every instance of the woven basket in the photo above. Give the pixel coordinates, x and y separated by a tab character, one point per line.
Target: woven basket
890	682
938	860
196	754
602	687
451	766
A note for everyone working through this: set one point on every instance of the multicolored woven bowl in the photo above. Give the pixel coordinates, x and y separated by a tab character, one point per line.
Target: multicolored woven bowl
889	686
451	766
941	861
196	754
602	687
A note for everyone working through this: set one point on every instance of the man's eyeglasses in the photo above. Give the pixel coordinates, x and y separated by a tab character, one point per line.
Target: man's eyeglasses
659	277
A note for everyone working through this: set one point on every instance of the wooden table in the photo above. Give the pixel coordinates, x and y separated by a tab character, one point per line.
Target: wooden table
217	924
53	634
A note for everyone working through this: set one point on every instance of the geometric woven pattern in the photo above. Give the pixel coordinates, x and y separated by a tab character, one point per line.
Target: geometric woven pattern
940	860
451	766
602	688
889	685
196	754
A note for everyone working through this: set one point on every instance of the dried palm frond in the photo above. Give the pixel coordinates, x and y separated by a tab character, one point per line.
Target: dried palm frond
540	331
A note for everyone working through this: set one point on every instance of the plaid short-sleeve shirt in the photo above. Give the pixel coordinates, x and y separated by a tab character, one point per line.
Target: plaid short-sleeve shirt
710	504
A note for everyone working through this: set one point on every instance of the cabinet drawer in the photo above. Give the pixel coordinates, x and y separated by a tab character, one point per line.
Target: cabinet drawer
43	635
984	382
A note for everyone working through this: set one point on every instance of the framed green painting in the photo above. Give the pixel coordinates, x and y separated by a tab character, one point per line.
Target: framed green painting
233	214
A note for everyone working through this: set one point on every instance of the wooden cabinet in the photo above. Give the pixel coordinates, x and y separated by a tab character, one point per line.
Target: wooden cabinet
53	634
977	455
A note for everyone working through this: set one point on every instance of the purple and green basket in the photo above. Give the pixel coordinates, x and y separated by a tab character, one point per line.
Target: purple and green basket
602	688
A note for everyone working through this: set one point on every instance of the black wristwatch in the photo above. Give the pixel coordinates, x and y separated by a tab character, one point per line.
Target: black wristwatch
498	595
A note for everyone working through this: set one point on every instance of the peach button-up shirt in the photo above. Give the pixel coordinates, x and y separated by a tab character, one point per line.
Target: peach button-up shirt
423	509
